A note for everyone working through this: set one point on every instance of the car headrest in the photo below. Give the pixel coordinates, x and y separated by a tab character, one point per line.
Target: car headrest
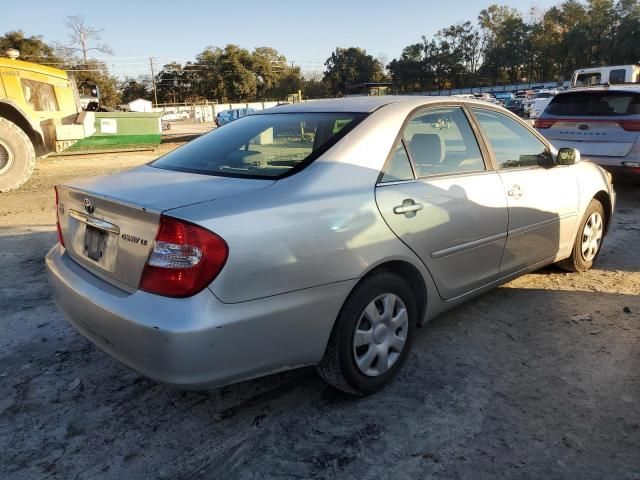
427	148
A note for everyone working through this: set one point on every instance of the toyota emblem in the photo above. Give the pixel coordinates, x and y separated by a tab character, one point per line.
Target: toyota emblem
583	126
88	206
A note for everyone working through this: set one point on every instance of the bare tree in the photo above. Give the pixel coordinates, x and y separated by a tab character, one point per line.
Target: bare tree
81	37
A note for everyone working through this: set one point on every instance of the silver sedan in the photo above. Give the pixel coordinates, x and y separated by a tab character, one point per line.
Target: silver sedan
320	233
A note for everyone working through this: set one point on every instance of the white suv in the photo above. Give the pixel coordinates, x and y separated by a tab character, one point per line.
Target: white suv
602	122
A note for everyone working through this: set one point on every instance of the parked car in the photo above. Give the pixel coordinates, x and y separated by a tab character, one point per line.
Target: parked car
228	116
175	116
539	102
317	233
502	97
487	97
602	122
516	106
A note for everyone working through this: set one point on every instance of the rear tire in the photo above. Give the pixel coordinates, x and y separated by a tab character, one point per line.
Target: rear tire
372	336
17	156
588	242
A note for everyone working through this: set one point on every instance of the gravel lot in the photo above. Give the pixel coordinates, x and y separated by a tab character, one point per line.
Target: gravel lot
538	379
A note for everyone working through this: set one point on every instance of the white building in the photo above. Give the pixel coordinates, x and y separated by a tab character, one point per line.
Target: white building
140	105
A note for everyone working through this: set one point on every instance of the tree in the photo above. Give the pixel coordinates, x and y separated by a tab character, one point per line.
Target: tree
313	86
348	66
409	71
131	89
95	72
270	67
32	49
81	36
627	47
175	83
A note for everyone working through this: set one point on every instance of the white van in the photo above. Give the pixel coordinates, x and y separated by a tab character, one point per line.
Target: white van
586	77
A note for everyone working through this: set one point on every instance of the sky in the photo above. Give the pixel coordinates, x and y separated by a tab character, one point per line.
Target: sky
305	32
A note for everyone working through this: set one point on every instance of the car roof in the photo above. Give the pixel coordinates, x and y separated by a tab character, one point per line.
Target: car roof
605	88
363	104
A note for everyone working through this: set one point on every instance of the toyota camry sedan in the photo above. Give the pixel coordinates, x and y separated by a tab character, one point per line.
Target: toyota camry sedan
320	233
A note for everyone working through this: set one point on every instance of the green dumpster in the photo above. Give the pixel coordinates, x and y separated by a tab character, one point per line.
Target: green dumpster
122	131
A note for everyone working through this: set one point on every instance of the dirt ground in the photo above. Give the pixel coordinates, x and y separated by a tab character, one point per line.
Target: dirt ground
538	379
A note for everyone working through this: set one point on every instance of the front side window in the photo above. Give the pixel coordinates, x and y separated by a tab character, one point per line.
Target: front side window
39	95
441	141
513	145
261	146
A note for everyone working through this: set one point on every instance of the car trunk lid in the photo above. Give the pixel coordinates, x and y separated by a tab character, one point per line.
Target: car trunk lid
592	136
109	223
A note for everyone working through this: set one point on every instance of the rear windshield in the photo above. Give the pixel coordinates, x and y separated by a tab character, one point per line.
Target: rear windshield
595	103
261	146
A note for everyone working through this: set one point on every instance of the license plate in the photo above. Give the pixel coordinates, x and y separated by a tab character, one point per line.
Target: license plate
94	240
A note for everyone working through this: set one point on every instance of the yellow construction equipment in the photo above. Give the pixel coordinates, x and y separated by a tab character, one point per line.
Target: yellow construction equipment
40	113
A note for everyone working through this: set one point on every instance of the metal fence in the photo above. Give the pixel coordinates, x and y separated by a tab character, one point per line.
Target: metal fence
513	87
203	112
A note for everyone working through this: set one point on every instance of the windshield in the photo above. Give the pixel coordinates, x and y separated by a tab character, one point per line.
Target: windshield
544	95
512	103
261	146
595	103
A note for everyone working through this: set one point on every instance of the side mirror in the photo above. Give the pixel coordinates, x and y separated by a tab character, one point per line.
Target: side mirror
568	156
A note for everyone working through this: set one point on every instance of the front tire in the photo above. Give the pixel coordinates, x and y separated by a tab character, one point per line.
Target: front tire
372	336
17	156
588	242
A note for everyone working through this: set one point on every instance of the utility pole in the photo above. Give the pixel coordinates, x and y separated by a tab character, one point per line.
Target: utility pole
153	79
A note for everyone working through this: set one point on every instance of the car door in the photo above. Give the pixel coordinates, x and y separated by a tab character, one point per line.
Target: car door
444	202
542	197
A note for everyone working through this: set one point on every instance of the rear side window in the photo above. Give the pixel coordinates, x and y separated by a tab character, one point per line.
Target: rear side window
261	146
398	167
617	76
595	103
440	141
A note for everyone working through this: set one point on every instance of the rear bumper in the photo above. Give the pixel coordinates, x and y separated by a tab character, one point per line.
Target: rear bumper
607	162
196	342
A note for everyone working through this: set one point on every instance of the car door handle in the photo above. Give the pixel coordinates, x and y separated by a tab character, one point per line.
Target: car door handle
408	208
515	191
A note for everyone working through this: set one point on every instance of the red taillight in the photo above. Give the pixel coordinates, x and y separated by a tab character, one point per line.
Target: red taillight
60	239
543	123
184	259
630	125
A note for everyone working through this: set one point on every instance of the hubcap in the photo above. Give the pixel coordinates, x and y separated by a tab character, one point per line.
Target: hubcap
380	334
6	157
591	237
